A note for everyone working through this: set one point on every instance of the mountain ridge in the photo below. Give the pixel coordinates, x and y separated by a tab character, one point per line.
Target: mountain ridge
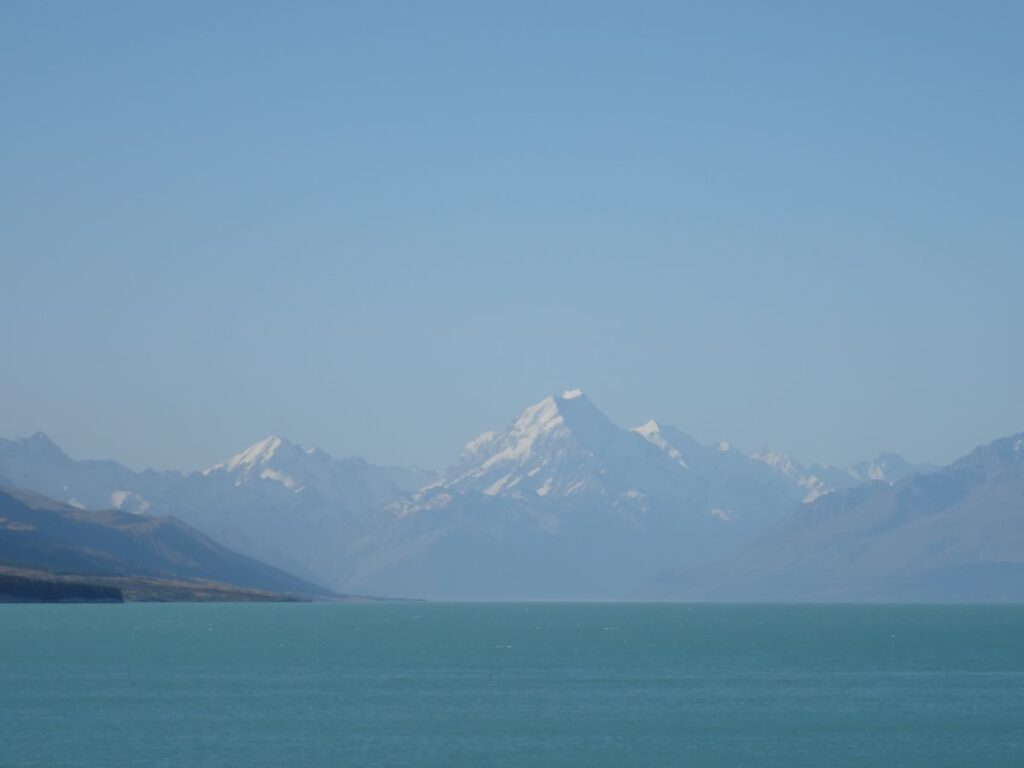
39	533
561	478
561	502
954	533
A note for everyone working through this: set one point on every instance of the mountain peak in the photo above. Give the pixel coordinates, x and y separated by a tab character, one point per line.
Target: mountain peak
539	417
650	428
258	453
564	447
41	444
551	412
651	432
552	449
779	461
535	422
996	456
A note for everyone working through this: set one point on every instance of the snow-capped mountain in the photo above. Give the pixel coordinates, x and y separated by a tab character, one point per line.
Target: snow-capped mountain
562	503
819	479
565	503
563	451
275	464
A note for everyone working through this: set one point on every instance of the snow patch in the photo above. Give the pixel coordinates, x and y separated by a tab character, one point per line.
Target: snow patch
480	441
280	477
495	488
777	461
817	489
578	485
128	502
651	432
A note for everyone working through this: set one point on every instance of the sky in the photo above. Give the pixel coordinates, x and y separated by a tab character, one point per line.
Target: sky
382	228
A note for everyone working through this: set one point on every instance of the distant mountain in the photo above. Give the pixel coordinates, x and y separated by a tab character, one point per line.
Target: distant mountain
297	509
41	534
36	463
563	503
278	465
739	487
819	479
564	451
954	534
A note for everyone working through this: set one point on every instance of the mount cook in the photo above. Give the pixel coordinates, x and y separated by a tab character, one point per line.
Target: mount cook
561	504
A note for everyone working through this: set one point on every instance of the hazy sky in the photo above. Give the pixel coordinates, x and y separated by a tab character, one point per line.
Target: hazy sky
380	228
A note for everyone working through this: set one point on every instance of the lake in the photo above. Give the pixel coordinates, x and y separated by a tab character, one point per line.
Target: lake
410	684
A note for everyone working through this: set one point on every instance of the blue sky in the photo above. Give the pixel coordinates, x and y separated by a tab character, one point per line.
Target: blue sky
381	228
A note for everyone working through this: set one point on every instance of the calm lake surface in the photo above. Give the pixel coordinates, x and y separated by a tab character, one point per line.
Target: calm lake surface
511	685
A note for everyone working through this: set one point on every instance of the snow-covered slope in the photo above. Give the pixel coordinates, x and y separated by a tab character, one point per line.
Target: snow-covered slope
276	465
564	450
563	503
739	487
819	479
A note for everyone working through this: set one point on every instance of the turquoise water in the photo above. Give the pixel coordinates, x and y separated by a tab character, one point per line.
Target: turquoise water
510	685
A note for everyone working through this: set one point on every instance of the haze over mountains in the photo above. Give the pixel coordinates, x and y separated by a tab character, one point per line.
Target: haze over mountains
565	504
38	534
954	534
273	501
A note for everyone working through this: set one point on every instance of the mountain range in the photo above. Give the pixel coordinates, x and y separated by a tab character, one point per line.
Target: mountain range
295	509
956	533
565	504
560	504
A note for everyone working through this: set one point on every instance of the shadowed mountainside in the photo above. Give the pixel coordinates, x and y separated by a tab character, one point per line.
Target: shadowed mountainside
42	534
